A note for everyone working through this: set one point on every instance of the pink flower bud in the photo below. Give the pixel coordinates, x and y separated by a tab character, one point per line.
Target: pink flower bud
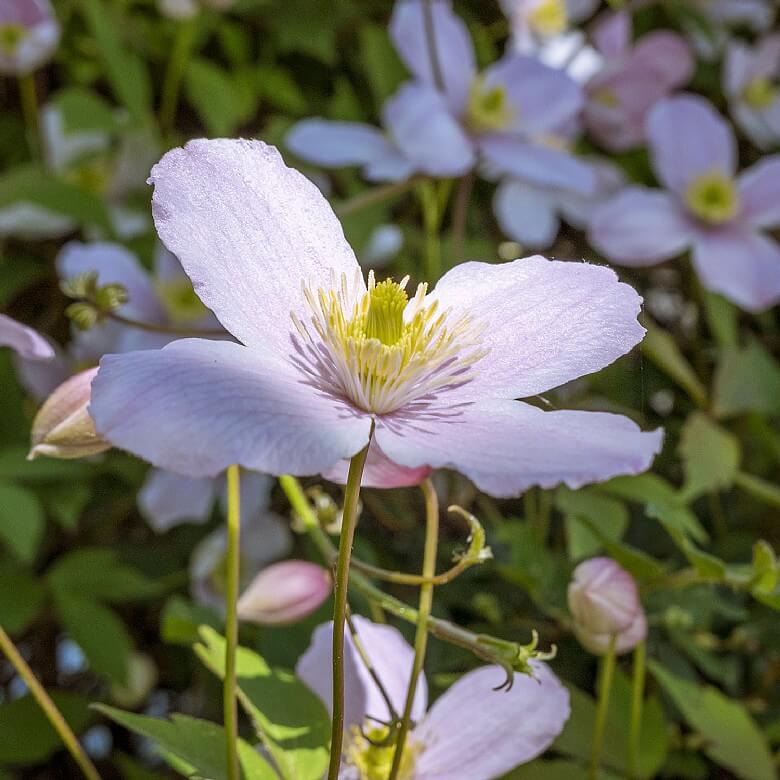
63	428
598	644
284	592
603	597
29	33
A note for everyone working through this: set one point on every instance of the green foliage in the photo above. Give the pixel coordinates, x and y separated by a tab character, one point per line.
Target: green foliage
711	456
22	520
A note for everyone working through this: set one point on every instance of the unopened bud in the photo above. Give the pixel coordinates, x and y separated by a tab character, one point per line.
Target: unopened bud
63	428
598	644
284	592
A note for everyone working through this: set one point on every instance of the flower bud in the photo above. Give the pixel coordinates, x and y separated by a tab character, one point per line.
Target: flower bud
603	597
63	428
598	644
29	34
284	592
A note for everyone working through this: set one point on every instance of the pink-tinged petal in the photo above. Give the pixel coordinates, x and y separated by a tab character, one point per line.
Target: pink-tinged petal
454	49
26	342
505	447
40	38
759	193
248	231
687	138
421	123
666	55
114	264
612	34
167	499
740	264
737	68
526	214
545	322
543	165
379	472
335	144
390	655
41	377
196	407
474	732
640	227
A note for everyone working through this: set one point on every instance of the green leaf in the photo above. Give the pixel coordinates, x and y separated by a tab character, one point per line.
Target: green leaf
14	466
66	503
84	111
732	738
746	380
290	719
279	89
558	769
21	597
199	743
711	456
181	621
22	520
27	737
380	62
609	515
215	97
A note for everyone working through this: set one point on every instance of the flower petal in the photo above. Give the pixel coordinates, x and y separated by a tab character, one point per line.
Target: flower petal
248	231
666	55
546	322
640	227
512	726
688	137
335	144
167	499
526	214
427	133
741	264
379	472
612	34
454	49
759	192
197	406
26	342
505	447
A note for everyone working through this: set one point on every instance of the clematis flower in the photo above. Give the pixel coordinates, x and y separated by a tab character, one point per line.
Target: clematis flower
750	76
323	358
26	342
513	726
29	34
707	208
720	16
632	80
534	22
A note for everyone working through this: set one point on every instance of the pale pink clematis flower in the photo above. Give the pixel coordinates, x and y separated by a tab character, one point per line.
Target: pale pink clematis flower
514	726
324	359
707	208
29	34
533	22
26	342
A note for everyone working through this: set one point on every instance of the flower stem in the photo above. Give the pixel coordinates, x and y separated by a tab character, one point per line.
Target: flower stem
174	74
637	697
605	687
375	195
431	211
49	708
231	621
29	100
423	612
758	488
459	213
173	330
340	606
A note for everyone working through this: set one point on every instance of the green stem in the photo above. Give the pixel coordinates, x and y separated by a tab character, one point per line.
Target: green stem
761	489
423	612
375	195
231	620
174	74
605	687
431	209
29	100
459	213
49	708
341	585
173	330
637	698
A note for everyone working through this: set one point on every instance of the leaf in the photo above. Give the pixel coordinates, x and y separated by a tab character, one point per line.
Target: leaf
711	456
181	620
280	90
84	111
22	521
558	769
199	743
746	380
215	97
291	720
609	515
14	466
66	502
21	597
381	64
27	737
732	737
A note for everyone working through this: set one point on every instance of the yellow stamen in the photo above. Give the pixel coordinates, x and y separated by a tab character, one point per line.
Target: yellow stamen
180	301
606	97
373	759
713	197
11	35
548	18
488	108
760	93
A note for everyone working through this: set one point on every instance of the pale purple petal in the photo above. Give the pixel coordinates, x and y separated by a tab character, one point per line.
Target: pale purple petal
390	655
42	34
427	133
379	472
474	732
687	138
167	499
666	55
640	227
41	377
737	68
759	193
248	231
26	342
505	447
454	50
198	406
740	264
544	165
612	34
526	213
391	166
336	144
546	322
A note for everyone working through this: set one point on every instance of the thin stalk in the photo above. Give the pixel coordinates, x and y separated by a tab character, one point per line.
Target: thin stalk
341	585
173	330
605	687
29	100
231	620
375	195
759	488
174	73
459	213
423	612
637	699
431	212
415	580
49	708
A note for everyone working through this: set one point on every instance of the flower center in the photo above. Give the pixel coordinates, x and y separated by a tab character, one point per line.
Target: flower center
712	197
606	97
371	754
760	93
488	108
180	301
548	18
381	350
11	35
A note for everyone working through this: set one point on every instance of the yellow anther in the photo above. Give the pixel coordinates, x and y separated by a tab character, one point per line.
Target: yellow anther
11	35
760	93
488	108
548	18
712	197
373	759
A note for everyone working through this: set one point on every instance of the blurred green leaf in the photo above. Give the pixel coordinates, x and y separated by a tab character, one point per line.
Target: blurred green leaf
711	456
609	515
381	64
22	520
84	111
216	98
182	619
279	90
15	466
746	380
67	502
21	597
557	769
